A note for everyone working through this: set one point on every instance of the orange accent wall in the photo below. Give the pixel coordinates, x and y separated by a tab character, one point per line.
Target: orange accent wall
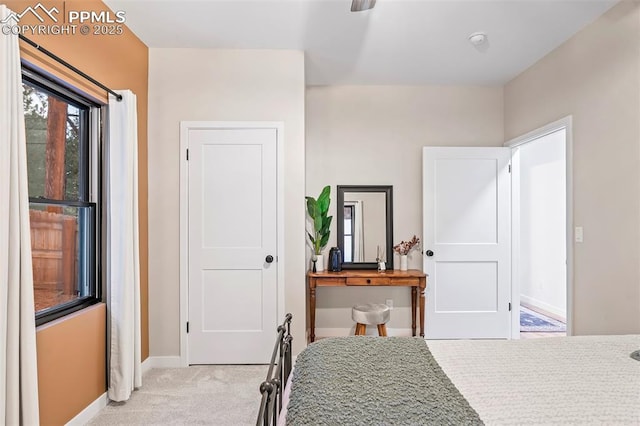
71	364
119	62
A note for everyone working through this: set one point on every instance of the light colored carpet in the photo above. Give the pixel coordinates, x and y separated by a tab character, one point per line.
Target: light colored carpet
198	395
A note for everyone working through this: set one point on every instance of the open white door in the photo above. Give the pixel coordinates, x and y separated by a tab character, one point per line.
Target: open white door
232	250
467	242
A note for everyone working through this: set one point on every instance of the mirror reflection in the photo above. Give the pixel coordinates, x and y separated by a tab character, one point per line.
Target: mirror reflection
364	225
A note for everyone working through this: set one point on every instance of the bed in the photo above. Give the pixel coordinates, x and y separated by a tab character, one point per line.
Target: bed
399	380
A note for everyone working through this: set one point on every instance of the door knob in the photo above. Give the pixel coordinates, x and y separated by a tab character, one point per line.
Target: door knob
269	259
429	253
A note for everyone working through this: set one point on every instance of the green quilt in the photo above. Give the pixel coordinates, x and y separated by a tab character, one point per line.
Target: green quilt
363	380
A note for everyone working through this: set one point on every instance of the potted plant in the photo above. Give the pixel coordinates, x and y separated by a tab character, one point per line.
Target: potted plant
403	249
318	210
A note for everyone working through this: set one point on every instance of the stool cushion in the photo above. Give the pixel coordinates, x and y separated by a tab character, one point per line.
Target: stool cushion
371	314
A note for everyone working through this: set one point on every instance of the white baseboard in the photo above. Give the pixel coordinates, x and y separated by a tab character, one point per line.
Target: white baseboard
160	362
544	308
371	331
146	365
90	412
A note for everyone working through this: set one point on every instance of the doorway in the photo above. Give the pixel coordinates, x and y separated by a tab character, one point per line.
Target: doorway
231	295
467	242
541	231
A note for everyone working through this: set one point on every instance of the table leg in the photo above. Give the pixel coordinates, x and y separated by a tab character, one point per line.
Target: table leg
312	313
422	312
414	297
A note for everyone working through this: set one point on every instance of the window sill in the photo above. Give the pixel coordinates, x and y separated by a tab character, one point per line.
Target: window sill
70	316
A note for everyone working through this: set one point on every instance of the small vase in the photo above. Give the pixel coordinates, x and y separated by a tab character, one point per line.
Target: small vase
403	262
319	262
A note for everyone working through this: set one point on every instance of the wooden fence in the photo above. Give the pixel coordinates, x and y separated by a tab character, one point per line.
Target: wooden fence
53	245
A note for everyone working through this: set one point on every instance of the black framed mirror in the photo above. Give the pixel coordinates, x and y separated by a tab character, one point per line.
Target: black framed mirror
365	225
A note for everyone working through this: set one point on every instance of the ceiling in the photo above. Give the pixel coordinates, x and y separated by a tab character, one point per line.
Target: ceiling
407	42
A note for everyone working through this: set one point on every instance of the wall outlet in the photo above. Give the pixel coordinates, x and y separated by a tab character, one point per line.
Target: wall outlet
389	303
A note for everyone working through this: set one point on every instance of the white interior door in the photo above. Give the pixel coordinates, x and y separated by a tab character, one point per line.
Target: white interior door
232	300
467	242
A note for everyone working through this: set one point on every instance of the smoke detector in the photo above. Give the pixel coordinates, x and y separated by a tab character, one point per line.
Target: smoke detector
360	5
478	38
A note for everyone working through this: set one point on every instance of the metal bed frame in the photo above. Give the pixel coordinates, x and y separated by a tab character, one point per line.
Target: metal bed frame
273	386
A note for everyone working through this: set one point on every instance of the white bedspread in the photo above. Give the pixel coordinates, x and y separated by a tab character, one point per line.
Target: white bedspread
559	381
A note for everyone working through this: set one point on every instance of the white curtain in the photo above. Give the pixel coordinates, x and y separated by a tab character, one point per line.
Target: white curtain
123	259
18	361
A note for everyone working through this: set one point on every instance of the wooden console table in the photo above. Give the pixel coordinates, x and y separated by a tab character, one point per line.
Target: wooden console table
368	277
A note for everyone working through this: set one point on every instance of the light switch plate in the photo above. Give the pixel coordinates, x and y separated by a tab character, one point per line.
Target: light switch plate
579	234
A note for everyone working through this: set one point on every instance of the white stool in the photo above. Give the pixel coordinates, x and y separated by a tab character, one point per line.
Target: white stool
371	314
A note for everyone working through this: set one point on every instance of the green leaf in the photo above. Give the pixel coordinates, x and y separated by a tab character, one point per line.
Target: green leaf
311	206
323	206
313	240
324	200
317	223
324	240
326	224
325	192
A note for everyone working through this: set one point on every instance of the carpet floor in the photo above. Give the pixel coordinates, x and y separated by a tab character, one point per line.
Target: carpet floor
535	321
198	395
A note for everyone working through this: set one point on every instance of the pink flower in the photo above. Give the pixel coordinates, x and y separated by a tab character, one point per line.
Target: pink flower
405	246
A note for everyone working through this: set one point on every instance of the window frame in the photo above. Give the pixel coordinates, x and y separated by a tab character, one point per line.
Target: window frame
352	228
90	194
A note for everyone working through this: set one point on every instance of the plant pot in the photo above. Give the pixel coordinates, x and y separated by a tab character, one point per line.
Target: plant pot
403	262
319	262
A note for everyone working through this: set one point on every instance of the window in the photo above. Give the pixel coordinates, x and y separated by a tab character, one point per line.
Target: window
348	233
62	146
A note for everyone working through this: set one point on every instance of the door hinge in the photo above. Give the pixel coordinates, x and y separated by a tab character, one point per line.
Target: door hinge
187	326
509	168
188	156
509	309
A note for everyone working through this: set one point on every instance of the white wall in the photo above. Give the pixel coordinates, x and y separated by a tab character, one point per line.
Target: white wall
373	135
543	223
595	77
225	85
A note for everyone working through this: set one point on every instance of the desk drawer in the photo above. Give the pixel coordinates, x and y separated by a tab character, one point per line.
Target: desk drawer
331	281
368	281
406	281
